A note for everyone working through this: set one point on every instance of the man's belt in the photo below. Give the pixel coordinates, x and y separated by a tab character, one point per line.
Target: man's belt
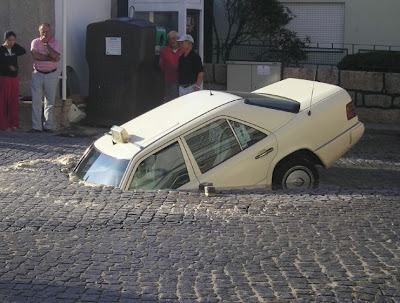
186	85
49	72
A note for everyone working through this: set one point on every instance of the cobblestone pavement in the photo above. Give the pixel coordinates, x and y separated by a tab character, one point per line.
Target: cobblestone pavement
64	242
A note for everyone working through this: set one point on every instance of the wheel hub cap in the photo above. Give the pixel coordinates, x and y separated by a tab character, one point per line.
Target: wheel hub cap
298	179
298	182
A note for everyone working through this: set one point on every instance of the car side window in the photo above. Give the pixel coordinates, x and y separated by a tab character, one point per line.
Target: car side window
161	170
246	135
212	144
219	141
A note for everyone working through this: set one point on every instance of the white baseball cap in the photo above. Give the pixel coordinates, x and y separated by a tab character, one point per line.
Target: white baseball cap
186	38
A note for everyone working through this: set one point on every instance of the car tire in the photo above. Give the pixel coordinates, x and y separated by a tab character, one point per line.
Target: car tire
295	174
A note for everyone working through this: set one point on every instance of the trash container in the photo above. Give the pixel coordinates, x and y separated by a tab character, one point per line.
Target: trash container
124	78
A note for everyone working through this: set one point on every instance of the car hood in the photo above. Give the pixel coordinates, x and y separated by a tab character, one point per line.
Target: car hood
117	150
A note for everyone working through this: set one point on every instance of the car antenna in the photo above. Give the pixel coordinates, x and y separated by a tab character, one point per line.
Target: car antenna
312	92
132	12
208	82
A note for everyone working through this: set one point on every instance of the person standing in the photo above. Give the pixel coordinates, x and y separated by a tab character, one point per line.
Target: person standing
169	59
9	83
45	51
190	68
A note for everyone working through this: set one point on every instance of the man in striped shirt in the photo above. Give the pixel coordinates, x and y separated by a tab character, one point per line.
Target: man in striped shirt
45	51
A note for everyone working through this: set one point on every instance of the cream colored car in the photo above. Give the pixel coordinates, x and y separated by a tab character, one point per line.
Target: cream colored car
273	137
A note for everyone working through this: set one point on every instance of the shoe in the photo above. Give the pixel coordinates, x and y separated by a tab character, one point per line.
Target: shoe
34	131
48	130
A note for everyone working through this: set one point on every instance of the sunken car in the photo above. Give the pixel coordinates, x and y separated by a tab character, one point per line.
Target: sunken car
272	137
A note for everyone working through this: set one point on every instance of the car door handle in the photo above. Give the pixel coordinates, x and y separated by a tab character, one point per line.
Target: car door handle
264	152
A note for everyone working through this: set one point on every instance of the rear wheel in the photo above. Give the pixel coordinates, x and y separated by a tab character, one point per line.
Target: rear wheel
295	174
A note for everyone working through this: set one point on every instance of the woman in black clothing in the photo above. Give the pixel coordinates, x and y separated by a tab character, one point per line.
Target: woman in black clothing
9	84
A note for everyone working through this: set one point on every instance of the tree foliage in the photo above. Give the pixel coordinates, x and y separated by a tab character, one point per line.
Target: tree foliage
261	22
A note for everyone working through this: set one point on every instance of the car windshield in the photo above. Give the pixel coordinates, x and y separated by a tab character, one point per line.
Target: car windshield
99	168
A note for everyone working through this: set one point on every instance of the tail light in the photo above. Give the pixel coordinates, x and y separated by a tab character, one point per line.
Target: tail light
350	111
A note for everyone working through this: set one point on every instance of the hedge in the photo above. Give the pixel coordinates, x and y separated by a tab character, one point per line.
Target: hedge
373	61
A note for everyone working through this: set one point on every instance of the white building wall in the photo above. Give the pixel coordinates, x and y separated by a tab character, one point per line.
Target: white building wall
80	13
369	22
373	22
323	23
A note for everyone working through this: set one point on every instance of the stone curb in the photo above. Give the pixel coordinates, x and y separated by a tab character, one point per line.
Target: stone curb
382	129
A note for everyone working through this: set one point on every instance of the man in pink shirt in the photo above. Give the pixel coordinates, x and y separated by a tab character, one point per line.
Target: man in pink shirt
169	58
45	51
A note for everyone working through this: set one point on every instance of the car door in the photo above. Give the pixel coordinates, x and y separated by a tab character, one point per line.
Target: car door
164	167
230	153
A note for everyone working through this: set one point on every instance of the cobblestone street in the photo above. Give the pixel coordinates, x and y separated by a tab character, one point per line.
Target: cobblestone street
62	241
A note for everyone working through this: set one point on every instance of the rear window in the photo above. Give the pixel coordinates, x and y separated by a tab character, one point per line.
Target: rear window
99	168
270	101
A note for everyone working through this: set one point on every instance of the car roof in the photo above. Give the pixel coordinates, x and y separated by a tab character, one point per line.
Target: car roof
152	125
175	113
182	110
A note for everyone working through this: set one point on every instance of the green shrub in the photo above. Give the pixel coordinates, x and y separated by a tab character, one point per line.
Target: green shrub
374	61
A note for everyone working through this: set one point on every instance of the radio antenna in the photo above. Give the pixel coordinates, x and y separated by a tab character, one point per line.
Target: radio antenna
209	85
132	12
312	92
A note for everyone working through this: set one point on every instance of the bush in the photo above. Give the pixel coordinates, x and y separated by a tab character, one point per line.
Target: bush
374	61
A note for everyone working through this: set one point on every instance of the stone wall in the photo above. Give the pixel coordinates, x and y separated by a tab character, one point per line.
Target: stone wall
376	95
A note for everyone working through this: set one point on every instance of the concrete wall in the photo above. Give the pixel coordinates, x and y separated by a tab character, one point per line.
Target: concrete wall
23	17
372	22
376	95
80	13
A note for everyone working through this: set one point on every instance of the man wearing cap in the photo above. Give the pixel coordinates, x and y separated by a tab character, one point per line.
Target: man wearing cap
190	68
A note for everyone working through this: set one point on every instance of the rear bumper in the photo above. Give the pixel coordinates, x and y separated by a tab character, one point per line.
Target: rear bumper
334	149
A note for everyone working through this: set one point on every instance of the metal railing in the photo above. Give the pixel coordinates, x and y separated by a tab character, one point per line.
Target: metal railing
319	55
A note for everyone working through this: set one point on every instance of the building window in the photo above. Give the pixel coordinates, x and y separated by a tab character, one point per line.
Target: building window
168	20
